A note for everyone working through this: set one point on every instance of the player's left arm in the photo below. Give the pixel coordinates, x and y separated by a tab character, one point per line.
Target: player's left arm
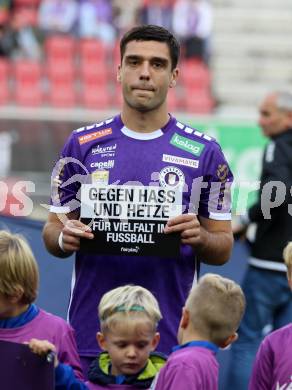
211	239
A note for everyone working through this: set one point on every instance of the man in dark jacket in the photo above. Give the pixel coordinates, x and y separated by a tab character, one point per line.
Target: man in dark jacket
269	299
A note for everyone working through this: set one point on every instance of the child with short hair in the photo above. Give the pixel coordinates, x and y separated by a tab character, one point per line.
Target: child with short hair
129	316
287	254
272	369
20	318
210	318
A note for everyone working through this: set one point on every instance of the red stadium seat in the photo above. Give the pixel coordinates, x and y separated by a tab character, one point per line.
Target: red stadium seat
62	95
95	97
4	16
63	71
94	72
29	95
4	93
172	100
199	103
26	3
26	16
195	73
4	75
28	83
27	71
92	51
60	48
116	55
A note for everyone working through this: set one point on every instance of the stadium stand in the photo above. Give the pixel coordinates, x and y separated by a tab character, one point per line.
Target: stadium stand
81	72
251	50
67	72
250	54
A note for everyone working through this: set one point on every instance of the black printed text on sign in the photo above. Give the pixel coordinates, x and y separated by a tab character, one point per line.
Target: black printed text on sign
130	220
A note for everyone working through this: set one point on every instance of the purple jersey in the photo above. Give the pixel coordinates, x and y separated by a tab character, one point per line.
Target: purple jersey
187	369
46	326
173	156
272	369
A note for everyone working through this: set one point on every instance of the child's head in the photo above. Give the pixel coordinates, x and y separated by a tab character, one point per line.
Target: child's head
213	310
287	254
18	272
128	316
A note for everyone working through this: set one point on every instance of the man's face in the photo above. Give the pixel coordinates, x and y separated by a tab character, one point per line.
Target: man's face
272	120
129	346
145	74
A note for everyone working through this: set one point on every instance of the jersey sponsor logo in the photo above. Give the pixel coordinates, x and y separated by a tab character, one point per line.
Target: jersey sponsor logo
103	164
104	151
187	162
187	144
100	177
83	139
171	177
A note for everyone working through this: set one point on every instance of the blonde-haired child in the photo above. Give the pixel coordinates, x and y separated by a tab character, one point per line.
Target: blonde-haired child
129	316
273	364
20	319
210	318
287	254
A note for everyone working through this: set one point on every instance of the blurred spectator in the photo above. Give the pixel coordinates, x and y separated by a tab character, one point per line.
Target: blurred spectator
96	20
5	5
192	23
58	16
19	36
157	12
6	43
26	35
126	14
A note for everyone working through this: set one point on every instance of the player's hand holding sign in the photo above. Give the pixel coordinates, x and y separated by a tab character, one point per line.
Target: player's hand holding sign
189	227
211	238
73	230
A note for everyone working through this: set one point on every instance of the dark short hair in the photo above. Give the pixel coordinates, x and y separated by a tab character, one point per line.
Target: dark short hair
151	32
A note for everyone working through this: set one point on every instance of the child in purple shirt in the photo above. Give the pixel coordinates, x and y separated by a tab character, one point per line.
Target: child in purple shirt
210	318
20	319
129	316
272	369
